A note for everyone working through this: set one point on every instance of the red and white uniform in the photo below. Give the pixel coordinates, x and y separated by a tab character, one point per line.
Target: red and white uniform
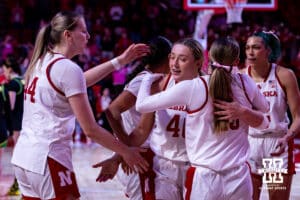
131	119
219	160
168	143
263	142
48	120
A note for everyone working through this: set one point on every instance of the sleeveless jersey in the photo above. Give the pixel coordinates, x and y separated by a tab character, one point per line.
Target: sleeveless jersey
48	120
228	149
168	137
271	88
131	117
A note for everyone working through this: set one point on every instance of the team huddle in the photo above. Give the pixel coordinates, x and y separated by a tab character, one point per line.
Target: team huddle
178	132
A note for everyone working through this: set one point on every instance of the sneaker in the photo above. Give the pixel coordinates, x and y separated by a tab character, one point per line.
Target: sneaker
14	189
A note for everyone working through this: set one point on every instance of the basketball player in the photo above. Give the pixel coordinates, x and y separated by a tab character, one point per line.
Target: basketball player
15	94
55	93
216	134
167	140
14	86
279	86
124	118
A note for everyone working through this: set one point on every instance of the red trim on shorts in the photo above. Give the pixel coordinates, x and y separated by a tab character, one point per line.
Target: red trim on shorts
189	182
244	88
48	69
29	198
67	191
148	193
206	98
291	164
248	166
256	175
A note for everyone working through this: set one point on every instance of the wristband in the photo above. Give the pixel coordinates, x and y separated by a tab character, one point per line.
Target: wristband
116	63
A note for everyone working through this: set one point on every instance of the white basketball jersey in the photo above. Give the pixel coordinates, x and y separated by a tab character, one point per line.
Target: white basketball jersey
168	137
217	151
48	119
131	117
274	93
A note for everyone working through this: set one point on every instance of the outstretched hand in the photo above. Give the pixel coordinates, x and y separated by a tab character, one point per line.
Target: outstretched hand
109	168
127	170
134	159
133	52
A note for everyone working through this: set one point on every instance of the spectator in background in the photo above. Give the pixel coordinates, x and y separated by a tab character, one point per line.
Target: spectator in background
7	47
105	102
15	91
3	130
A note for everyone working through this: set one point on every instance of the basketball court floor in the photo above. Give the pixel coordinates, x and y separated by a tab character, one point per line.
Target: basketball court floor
84	156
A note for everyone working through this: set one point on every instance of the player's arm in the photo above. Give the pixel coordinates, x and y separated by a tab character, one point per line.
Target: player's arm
98	72
83	112
252	116
234	110
13	88
179	94
123	102
143	130
109	168
12	99
289	82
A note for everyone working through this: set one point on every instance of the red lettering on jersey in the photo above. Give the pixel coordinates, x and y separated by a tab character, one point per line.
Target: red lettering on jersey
31	89
270	93
173	126
180	108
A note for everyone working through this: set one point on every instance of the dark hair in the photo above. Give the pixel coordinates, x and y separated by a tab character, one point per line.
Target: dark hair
12	62
160	48
271	41
224	51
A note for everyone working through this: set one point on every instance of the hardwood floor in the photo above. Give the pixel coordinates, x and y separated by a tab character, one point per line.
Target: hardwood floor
83	158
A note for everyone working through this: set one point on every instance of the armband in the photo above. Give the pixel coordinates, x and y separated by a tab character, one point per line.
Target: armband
116	64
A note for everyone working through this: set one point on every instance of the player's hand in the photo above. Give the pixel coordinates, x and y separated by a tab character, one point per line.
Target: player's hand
227	110
135	160
280	147
109	168
133	52
282	143
127	170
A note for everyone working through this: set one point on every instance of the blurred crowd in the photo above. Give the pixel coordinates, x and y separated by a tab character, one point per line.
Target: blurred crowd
114	25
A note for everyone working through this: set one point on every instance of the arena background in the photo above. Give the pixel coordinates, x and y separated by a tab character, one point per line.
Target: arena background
114	25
